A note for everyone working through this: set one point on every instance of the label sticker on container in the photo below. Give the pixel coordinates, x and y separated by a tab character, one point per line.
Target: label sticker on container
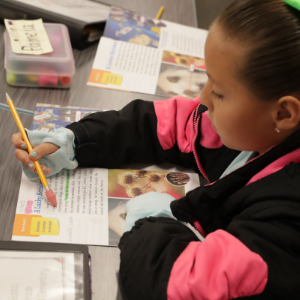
28	36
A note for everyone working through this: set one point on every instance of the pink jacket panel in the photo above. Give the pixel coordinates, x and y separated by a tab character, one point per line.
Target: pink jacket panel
220	268
277	165
175	122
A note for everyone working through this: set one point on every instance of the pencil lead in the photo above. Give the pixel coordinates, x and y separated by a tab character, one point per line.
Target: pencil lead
7	97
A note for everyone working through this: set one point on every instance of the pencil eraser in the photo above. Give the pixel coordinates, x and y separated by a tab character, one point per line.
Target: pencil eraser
51	197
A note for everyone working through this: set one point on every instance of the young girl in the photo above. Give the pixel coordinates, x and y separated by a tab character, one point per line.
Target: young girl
243	138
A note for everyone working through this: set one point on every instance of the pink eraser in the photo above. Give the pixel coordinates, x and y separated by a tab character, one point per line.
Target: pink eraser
51	197
48	80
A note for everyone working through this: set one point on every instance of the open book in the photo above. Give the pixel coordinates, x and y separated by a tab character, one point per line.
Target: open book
90	202
144	55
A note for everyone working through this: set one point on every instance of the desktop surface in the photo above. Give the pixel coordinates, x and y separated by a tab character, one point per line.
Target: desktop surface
104	260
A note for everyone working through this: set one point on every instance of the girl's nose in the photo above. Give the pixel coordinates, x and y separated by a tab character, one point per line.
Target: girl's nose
205	96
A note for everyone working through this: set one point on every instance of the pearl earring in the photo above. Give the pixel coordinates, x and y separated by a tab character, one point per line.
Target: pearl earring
277	130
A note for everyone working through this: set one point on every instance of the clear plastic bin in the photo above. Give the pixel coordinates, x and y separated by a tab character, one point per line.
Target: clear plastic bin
54	69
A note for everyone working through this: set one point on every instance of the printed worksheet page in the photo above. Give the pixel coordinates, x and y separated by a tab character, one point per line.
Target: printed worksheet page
90	203
37	275
145	55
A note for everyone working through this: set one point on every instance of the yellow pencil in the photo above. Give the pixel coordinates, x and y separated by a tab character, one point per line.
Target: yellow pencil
49	193
160	12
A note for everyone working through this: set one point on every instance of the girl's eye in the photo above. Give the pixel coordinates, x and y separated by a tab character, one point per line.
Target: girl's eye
218	96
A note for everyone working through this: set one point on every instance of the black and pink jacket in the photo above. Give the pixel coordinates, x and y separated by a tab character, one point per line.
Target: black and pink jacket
250	218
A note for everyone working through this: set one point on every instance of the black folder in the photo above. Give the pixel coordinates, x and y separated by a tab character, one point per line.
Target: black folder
82	34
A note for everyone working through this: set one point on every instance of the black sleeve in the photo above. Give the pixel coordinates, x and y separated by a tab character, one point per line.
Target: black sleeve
113	138
148	253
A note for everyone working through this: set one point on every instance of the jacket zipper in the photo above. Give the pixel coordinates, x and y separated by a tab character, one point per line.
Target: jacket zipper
199	228
196	224
196	128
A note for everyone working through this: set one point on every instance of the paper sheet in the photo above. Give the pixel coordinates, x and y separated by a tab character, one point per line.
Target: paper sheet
37	275
28	36
145	55
90	203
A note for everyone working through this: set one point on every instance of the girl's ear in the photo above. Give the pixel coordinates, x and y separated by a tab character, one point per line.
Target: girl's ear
287	113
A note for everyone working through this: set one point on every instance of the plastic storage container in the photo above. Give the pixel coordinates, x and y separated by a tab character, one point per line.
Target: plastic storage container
54	69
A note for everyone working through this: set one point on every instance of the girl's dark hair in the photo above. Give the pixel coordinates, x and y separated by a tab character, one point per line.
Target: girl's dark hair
271	31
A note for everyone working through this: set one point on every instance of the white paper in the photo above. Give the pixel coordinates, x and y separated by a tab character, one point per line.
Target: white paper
144	55
37	275
28	37
183	39
126	66
90	204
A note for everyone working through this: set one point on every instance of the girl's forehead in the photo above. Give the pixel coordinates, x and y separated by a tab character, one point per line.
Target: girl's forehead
225	44
223	55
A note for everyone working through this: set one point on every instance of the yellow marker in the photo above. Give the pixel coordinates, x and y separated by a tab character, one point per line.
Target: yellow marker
160	12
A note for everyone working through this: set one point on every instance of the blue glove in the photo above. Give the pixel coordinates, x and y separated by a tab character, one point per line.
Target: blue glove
63	158
151	204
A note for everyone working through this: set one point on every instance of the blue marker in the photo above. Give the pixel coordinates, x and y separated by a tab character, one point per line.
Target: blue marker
19	110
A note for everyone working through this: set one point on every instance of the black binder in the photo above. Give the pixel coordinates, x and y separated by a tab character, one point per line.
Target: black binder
82	34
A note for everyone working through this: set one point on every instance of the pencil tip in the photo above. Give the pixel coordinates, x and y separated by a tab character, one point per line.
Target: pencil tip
7	97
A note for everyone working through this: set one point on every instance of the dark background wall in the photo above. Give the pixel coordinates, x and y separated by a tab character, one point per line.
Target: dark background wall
208	10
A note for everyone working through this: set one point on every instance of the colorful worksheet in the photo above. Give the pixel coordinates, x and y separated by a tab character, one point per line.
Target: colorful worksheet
48	117
145	55
90	202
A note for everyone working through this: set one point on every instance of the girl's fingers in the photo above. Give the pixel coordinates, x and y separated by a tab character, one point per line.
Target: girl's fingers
23	157
37	152
18	142
45	170
41	150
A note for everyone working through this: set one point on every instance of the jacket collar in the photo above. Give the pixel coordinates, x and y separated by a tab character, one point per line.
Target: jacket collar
203	203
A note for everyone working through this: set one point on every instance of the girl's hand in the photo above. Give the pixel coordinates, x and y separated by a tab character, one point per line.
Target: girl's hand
22	155
150	204
54	150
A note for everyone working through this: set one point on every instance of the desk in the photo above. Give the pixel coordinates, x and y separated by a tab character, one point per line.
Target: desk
105	260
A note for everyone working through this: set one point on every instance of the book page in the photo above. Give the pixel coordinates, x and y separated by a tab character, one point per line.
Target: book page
140	54
182	39
125	66
37	275
49	117
90	203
